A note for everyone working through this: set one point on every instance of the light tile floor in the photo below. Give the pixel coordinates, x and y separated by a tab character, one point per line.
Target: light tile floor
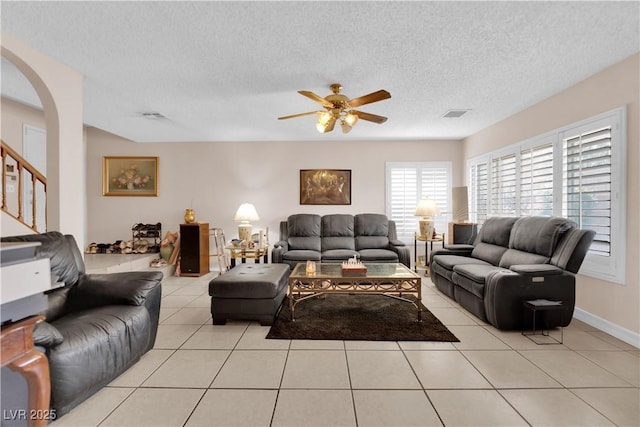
204	375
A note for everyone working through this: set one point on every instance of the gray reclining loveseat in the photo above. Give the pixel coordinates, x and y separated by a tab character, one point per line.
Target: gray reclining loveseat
338	237
514	260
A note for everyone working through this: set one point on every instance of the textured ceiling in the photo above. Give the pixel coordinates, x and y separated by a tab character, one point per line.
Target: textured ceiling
224	71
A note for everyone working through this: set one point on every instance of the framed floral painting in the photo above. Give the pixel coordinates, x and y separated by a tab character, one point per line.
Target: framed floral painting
325	187
130	176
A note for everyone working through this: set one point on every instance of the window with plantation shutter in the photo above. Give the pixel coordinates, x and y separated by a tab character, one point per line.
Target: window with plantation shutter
536	180
478	187
586	176
577	172
503	186
409	182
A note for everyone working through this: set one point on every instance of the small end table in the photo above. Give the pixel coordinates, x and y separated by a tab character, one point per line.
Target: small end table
248	253
542	305
427	242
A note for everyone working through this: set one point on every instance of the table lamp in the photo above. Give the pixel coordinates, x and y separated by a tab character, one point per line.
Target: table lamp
245	213
426	209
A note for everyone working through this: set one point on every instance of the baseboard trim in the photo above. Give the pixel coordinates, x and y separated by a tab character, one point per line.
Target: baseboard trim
604	325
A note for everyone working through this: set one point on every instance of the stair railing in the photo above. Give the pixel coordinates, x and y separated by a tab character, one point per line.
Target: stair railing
36	177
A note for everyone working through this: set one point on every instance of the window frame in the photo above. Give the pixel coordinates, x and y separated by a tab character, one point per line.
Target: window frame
445	214
613	267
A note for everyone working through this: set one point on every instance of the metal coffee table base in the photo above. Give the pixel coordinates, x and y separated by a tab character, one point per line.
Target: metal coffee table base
391	281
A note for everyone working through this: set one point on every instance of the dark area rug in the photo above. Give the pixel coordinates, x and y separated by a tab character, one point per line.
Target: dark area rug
358	317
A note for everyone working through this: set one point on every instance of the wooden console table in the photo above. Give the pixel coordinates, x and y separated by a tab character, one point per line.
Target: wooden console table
19	355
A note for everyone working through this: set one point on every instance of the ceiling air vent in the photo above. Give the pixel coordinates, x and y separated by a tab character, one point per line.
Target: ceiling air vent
153	115
454	114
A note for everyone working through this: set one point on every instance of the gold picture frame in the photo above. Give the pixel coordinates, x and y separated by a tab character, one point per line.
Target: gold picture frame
325	186
130	176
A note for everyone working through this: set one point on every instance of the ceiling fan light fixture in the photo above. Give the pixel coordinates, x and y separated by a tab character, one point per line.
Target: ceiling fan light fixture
351	119
338	107
324	117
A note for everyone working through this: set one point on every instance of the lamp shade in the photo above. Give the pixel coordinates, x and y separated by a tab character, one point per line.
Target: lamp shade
427	208
246	212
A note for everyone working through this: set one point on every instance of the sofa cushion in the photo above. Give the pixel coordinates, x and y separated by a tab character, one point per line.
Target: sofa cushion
304	243
371	242
56	247
489	252
471	277
338	232
304	232
99	344
497	231
301	255
514	257
539	235
444	264
373	255
372	231
450	261
338	254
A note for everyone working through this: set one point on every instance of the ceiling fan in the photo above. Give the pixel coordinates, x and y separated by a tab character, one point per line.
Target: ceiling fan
338	107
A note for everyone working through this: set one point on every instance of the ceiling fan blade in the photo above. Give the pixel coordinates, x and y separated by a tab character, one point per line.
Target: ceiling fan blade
369	98
316	98
369	117
297	115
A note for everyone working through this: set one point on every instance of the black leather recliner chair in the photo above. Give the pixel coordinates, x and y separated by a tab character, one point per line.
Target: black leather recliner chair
97	325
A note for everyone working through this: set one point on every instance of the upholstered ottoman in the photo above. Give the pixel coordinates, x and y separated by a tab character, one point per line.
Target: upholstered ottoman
249	292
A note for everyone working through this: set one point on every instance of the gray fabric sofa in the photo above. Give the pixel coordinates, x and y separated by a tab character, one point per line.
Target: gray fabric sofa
514	260
338	237
97	325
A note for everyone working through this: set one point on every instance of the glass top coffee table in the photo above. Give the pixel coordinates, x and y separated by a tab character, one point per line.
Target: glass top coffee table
390	279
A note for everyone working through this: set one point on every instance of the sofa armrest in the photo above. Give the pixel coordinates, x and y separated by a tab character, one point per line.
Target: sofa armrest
127	288
404	254
46	335
282	244
505	291
396	242
279	248
536	270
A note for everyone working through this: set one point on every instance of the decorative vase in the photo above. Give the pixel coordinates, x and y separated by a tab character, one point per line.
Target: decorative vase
189	216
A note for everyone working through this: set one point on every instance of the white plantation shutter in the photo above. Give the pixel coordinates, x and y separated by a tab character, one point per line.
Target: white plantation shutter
586	180
503	186
478	186
403	199
435	185
536	180
407	184
577	172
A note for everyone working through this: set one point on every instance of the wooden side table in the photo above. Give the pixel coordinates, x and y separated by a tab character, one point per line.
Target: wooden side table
19	355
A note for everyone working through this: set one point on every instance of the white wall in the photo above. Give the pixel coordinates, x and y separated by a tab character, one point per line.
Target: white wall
60	91
215	178
609	306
